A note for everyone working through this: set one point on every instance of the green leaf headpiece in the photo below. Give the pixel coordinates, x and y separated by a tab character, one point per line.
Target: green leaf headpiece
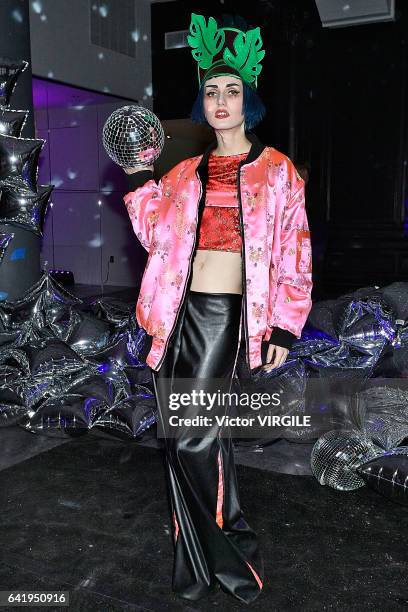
221	51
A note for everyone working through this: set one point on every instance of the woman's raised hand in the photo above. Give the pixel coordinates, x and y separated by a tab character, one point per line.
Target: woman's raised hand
138	168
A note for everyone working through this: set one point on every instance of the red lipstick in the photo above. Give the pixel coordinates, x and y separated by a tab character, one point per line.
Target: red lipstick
222	114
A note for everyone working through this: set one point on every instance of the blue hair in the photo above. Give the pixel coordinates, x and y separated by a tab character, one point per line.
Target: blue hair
253	108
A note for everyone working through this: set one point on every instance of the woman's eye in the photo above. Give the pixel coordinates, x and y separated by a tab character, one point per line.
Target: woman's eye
231	91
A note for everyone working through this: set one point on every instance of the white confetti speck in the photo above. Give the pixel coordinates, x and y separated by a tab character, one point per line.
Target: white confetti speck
36	6
17	16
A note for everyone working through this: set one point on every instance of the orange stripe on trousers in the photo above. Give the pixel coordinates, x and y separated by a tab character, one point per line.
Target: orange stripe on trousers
257	578
176	527
220	492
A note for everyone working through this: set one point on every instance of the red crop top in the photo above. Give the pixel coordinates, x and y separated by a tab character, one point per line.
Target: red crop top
220	228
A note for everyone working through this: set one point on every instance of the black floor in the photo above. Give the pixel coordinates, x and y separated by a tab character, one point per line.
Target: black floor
90	516
281	456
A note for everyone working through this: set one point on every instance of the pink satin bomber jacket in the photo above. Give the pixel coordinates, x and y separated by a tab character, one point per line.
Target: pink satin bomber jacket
276	245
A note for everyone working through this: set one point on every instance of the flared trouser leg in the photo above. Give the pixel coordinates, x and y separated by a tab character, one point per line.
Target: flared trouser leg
213	542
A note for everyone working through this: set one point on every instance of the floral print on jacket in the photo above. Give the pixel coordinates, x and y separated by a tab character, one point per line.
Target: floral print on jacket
276	239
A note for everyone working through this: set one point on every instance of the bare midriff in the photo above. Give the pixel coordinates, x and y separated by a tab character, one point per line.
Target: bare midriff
217	272
217	265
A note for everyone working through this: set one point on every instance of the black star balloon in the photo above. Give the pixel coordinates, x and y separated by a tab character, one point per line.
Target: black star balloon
131	416
5	240
10	70
12	122
19	159
21	206
388	474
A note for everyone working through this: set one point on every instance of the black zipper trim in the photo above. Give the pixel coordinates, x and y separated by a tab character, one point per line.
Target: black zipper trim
243	262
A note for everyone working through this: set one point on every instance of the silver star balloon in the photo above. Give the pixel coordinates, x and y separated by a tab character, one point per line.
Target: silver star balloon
21	206
19	159
12	122
10	71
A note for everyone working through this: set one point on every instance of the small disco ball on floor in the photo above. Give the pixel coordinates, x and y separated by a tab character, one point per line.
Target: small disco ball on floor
336	456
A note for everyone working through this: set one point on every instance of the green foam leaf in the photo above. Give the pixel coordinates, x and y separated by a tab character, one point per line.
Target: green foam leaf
206	40
248	54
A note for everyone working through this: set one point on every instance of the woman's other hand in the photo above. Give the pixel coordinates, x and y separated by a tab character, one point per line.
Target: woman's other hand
278	353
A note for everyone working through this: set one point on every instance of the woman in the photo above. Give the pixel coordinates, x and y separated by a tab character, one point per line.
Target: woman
229	261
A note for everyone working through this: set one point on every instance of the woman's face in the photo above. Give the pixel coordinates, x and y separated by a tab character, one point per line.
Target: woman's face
223	102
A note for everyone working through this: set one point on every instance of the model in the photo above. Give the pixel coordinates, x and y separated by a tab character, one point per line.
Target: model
229	265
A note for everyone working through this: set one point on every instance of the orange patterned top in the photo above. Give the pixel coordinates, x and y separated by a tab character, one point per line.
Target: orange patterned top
220	228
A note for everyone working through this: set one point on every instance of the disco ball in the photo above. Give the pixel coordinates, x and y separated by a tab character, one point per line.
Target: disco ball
336	456
133	136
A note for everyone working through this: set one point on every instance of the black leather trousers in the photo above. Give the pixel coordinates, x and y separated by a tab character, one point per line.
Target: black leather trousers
212	541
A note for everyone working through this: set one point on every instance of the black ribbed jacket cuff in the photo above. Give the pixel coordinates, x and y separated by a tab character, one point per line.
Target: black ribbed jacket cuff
137	179
282	337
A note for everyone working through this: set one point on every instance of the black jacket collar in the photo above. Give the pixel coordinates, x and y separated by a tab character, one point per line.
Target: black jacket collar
254	152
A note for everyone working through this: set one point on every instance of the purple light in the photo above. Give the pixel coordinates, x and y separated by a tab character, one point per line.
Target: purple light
64	95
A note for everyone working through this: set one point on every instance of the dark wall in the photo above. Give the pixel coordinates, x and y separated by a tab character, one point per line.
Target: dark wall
335	99
15	44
